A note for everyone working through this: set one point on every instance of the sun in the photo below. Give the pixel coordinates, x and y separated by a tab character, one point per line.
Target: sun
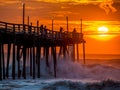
102	29
102	34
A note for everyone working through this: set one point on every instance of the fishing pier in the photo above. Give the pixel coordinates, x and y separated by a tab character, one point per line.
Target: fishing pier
26	41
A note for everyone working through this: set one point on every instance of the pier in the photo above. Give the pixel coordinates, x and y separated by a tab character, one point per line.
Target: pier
26	41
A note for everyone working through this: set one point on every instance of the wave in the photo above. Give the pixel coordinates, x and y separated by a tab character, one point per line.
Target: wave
66	68
59	84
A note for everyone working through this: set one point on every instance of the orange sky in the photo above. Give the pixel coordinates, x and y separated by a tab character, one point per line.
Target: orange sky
44	10
95	13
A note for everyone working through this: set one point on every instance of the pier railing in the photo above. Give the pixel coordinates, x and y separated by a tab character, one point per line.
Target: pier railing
35	31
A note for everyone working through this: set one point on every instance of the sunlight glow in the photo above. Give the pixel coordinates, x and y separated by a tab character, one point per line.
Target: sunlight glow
103	29
102	33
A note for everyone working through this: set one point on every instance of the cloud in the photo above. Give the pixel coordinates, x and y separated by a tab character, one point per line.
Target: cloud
9	1
60	13
28	8
106	5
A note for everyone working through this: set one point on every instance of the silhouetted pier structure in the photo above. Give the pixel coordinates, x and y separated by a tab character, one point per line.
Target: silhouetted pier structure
27	40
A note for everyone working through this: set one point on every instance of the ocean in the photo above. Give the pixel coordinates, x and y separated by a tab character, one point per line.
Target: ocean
104	59
101	72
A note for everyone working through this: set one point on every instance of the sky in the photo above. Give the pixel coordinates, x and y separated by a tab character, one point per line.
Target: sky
94	14
44	10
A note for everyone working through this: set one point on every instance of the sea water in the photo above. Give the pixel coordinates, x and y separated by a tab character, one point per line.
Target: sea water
100	71
104	59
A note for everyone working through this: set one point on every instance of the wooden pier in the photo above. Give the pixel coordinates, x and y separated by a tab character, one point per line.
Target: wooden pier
26	41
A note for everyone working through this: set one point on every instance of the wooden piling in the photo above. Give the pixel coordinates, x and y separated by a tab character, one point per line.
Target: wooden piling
38	52
28	53
31	59
73	53
64	51
47	54
37	27
0	62
13	62
24	62
8	59
28	20
54	60
44	51
18	60
61	49
3	61
33	62
77	52
84	52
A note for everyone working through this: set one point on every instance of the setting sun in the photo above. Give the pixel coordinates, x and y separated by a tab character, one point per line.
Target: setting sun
103	29
103	33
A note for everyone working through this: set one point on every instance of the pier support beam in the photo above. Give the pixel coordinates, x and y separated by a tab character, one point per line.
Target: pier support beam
77	47
31	59
47	54
0	62
18	59
8	59
13	63
3	61
38	55
73	52
33	62
60	51
64	50
84	52
54	60
24	62
28	53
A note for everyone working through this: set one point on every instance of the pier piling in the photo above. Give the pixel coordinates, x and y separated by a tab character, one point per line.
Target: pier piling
0	62
3	61
8	59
